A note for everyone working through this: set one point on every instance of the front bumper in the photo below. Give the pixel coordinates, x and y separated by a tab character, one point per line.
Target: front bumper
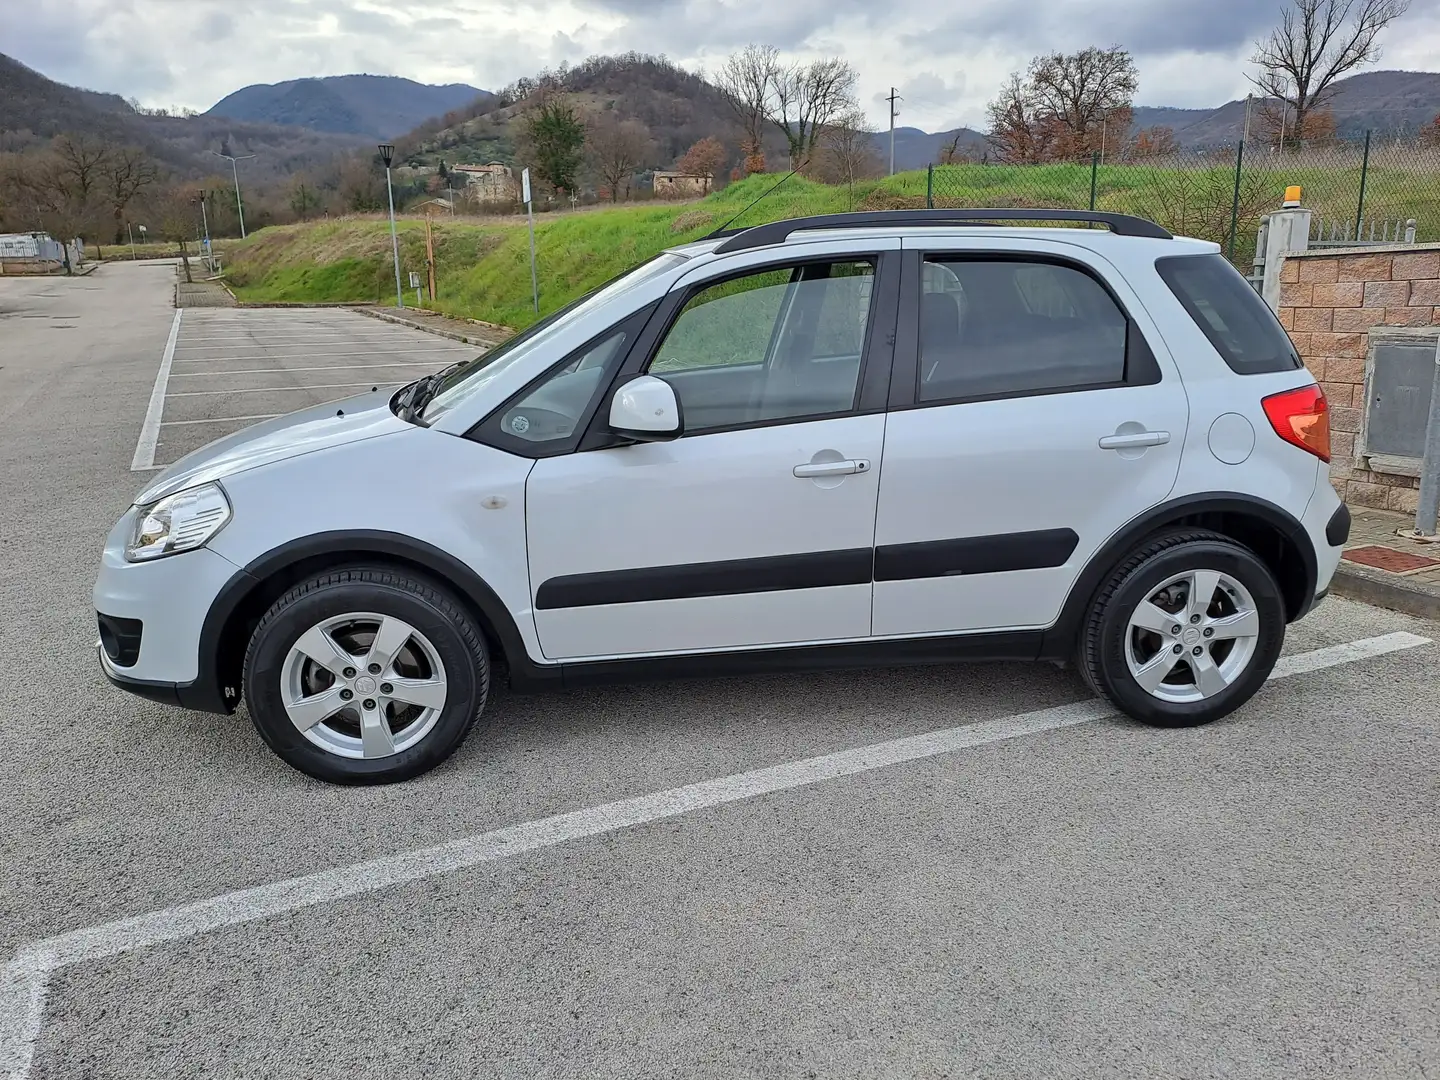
152	620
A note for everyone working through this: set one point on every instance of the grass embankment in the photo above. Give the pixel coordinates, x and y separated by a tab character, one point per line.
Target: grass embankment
483	267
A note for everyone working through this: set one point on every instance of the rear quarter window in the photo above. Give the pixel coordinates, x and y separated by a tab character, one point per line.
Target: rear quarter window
1230	313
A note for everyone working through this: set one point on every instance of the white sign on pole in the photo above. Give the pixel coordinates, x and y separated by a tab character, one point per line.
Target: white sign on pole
525	186
414	280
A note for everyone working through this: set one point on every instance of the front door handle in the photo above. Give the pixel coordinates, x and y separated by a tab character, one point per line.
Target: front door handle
812	469
1134	441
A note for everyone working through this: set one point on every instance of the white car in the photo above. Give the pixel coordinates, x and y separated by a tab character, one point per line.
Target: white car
863	439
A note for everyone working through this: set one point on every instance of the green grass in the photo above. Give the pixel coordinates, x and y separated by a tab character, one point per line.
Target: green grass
483	267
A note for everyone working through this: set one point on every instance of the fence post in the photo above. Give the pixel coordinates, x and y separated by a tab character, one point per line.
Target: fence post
1364	175
1235	202
930	187
1094	176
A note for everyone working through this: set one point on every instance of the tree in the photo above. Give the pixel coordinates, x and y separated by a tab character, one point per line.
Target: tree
1151	142
1017	131
806	98
1066	107
125	173
179	210
553	139
1430	133
955	152
847	150
304	200
1278	127
615	149
746	81
1316	43
705	158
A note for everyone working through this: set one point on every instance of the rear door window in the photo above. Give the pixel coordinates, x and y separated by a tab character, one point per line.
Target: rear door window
1228	310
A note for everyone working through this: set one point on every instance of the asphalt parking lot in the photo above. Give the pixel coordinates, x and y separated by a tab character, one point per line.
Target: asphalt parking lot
954	872
229	368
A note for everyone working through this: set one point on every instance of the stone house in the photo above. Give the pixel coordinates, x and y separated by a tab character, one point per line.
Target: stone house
492	182
679	185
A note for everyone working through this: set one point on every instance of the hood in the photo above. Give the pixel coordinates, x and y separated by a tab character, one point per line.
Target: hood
366	416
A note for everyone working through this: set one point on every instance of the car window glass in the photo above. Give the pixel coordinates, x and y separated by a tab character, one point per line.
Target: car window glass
1240	325
552	410
991	328
773	345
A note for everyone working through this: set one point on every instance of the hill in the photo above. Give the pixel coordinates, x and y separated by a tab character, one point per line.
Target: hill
374	106
1389	103
35	109
679	107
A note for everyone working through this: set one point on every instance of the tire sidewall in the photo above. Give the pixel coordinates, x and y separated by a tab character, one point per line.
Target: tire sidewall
1228	559
466	682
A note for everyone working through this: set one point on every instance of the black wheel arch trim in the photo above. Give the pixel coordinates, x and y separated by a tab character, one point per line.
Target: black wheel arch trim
1059	640
359	545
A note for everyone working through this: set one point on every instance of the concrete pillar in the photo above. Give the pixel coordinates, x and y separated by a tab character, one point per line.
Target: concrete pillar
1289	233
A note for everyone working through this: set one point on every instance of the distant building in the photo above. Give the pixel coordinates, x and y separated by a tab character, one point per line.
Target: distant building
491	182
679	185
36	251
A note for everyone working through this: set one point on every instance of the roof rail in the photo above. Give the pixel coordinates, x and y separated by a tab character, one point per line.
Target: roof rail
776	232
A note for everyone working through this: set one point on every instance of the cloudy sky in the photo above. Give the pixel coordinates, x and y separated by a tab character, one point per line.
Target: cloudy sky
947	59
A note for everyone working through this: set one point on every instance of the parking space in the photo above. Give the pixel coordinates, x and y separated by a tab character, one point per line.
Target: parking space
954	871
223	370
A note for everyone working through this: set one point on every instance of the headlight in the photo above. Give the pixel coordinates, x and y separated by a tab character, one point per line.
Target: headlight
180	522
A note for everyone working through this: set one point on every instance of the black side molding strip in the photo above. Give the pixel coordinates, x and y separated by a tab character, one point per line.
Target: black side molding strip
975	555
818	570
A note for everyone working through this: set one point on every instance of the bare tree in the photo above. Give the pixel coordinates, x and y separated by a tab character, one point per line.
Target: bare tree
1087	95
747	81
1316	43
125	173
1018	132
616	149
806	98
82	161
847	150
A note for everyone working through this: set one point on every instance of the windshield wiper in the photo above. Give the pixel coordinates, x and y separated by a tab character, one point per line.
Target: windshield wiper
417	395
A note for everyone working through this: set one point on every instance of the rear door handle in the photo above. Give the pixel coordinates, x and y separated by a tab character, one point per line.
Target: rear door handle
812	469
1139	439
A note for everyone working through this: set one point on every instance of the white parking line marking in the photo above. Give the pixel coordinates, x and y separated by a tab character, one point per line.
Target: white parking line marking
221	419
268	389
286	371
337	340
150	430
27	975
310	353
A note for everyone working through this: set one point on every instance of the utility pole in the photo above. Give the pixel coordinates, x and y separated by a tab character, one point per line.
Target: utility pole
205	220
387	155
1249	99
239	209
893	98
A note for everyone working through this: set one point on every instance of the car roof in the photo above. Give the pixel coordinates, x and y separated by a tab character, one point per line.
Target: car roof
1095	239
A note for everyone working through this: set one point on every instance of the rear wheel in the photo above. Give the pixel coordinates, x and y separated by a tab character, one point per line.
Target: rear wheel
1186	630
366	676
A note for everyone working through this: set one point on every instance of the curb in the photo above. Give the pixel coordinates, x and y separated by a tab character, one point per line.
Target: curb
451	334
1368	587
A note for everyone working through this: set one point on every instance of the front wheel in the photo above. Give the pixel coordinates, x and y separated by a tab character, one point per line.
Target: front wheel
366	676
1186	630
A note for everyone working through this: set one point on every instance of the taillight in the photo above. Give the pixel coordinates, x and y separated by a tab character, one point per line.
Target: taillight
1302	418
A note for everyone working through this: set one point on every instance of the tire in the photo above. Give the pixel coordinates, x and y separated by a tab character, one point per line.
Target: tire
397	722
1118	649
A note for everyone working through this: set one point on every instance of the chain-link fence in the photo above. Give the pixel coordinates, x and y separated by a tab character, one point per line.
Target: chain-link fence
1371	191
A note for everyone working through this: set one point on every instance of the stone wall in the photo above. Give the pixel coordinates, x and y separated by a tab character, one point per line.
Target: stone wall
1330	300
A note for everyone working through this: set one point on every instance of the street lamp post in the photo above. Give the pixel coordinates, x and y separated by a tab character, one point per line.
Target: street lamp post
235	172
205	220
387	155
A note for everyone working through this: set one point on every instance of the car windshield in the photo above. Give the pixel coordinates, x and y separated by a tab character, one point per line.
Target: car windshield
463	382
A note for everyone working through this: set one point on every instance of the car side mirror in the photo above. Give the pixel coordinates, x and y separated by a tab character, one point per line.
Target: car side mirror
647	410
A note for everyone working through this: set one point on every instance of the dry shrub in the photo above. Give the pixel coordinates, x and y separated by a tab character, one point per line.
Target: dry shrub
691	220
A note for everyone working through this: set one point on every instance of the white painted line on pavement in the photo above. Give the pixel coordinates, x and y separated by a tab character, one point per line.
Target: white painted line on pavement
27	974
336	339
286	371
268	389
309	354
150	430
221	419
